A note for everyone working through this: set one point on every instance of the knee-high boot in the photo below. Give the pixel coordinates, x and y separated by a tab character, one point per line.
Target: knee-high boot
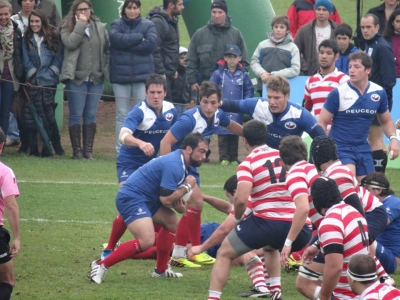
75	136
89	130
56	140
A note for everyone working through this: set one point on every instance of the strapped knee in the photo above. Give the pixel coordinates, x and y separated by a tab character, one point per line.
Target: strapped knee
309	274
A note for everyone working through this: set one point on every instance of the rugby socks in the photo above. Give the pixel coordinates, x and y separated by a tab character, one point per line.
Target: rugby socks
124	251
213	295
316	293
117	231
255	269
275	284
266	275
6	290
379	269
298	255
150	253
182	236
165	240
194	225
380	160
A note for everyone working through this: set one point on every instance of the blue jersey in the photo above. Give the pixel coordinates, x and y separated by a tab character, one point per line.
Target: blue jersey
167	171
294	120
390	237
194	121
353	113
147	126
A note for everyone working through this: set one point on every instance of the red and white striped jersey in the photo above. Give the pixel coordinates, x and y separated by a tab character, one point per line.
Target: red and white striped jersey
344	225
247	212
369	201
317	89
380	291
298	182
263	168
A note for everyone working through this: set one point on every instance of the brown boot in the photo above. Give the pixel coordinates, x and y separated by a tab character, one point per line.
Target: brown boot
89	131
75	136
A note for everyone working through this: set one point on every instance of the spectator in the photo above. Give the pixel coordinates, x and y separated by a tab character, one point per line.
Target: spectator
303	11
133	40
383	73
343	36
166	54
84	70
208	43
48	7
235	84
312	34
267	61
392	36
383	12
42	56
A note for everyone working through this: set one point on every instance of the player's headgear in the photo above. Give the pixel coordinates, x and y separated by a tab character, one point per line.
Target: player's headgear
323	149
325	193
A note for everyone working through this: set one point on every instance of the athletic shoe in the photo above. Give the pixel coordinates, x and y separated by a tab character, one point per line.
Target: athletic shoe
293	264
276	295
97	272
224	162
254	293
182	262
167	273
104	246
388	280
105	253
234	163
203	259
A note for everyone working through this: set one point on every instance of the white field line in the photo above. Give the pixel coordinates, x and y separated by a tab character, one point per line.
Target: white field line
90	183
40	220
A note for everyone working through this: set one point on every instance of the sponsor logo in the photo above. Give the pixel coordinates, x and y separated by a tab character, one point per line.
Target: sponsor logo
155	131
140	212
275	135
238	227
124	174
148	119
239	81
290	125
361	110
375	97
378	162
169	117
216	122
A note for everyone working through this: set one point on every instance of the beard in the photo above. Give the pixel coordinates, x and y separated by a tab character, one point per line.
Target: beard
195	163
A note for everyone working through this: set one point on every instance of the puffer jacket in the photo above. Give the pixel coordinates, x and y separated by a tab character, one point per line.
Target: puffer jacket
132	45
207	46
234	86
166	54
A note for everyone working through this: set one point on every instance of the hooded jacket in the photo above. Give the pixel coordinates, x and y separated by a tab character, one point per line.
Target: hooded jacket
207	46
342	64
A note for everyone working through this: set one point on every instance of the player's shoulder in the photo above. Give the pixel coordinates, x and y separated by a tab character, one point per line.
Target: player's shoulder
375	88
167	106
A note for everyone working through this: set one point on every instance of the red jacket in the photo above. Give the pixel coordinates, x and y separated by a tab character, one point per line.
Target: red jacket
303	11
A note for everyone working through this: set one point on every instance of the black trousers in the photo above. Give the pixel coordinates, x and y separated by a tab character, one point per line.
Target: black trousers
228	145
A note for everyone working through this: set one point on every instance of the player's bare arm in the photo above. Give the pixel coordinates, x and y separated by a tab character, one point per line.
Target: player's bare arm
126	138
11	206
324	118
235	128
240	200
332	271
166	143
389	129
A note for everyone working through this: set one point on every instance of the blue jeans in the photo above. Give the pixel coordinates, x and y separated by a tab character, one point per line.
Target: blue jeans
81	105
181	108
13	132
123	93
6	98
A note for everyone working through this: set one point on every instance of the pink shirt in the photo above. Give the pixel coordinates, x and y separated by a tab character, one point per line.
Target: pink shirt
8	187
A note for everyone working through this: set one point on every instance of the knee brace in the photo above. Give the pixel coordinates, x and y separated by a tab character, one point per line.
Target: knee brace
309	274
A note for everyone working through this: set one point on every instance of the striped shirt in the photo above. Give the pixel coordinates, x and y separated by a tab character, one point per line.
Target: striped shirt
247	212
298	182
380	291
343	225
369	201
263	168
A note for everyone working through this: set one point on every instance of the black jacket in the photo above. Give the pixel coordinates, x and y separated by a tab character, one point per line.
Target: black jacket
17	55
180	89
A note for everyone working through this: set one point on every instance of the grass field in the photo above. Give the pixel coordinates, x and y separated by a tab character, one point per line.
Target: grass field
66	211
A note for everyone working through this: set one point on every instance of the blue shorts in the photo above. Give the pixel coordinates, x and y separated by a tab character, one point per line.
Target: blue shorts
195	173
255	233
387	258
132	208
207	229
377	222
361	157
124	171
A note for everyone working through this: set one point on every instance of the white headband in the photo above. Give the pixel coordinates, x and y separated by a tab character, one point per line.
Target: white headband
365	277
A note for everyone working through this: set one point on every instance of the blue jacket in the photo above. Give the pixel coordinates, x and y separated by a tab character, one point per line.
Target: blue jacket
342	64
131	58
234	86
47	67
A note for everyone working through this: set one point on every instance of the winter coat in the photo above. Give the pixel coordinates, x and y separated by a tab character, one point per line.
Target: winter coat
306	42
234	86
394	43
43	101
77	64
131	58
342	64
207	46
303	11
180	89
166	54
47	66
278	59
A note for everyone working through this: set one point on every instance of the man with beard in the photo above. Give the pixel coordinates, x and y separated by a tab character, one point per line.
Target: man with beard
146	197
166	55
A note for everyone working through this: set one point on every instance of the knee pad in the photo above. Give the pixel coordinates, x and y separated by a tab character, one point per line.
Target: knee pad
309	274
380	160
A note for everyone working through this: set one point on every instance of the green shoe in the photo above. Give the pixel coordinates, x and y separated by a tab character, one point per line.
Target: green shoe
224	162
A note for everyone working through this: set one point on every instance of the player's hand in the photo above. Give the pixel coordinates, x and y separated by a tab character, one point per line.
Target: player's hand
179	206
147	149
309	254
265	76
15	247
191	180
393	149
194	251
195	87
285	255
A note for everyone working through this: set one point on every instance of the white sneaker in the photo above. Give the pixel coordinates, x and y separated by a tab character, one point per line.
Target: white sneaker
388	280
167	273
97	272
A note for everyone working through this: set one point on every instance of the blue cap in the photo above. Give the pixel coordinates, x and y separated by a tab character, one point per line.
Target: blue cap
232	49
325	3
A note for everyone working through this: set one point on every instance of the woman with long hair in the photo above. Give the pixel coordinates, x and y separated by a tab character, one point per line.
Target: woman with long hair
84	70
42	56
392	35
133	40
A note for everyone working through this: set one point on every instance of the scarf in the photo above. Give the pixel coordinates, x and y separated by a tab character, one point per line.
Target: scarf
274	40
7	40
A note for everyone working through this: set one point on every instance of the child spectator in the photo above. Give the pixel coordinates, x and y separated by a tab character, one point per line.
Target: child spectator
392	36
235	83
277	55
343	36
180	89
